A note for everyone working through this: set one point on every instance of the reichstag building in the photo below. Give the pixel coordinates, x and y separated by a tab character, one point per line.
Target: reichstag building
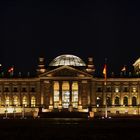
68	84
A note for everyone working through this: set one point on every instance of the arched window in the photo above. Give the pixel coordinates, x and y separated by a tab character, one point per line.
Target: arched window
56	94
117	100
33	101
24	101
15	101
134	101
108	100
7	100
125	101
75	94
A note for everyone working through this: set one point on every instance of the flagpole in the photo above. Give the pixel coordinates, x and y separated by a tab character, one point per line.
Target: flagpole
106	114
105	83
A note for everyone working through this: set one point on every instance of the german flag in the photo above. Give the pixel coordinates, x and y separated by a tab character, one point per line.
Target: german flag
123	69
105	73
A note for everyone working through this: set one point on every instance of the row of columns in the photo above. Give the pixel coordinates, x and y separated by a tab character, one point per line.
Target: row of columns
60	93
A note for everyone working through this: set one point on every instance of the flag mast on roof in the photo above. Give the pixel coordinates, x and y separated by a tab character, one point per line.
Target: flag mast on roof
105	83
11	70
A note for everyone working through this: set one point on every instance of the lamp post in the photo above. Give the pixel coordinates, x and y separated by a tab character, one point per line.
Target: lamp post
106	114
14	111
6	112
23	112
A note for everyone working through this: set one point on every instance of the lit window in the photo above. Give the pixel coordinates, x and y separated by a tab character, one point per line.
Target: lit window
24	101
33	101
117	89
75	94
56	94
134	89
15	102
7	101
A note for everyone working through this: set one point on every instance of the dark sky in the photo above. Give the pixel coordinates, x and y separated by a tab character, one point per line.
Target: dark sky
97	28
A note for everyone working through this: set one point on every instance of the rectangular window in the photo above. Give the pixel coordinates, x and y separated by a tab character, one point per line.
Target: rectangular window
6	89
15	89
24	89
56	94
32	89
99	89
125	89
108	89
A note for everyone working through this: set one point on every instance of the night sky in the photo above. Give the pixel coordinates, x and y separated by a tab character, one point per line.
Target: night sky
98	28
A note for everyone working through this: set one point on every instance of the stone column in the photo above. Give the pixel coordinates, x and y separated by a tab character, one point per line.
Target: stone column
138	93
28	95
60	95
93	94
138	96
70	83
79	96
112	94
70	105
130	95
3	96
42	94
51	96
20	101
121	95
104	94
10	95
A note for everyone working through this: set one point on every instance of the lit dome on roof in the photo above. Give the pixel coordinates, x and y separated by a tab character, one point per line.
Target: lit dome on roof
67	60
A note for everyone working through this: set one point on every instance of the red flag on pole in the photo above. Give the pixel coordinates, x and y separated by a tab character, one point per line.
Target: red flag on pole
11	69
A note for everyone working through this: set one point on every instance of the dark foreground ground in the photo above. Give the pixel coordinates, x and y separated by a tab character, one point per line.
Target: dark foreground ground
69	129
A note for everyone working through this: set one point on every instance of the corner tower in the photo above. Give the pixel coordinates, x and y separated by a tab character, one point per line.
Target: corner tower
41	66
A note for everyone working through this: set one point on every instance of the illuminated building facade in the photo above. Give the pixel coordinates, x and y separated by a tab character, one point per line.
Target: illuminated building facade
68	84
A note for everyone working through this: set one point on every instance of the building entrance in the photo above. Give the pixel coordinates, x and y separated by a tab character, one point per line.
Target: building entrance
65	94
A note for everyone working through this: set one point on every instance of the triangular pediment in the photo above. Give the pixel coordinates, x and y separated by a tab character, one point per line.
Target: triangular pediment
65	71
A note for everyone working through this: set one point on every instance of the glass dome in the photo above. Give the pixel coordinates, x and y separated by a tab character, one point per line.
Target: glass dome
67	59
